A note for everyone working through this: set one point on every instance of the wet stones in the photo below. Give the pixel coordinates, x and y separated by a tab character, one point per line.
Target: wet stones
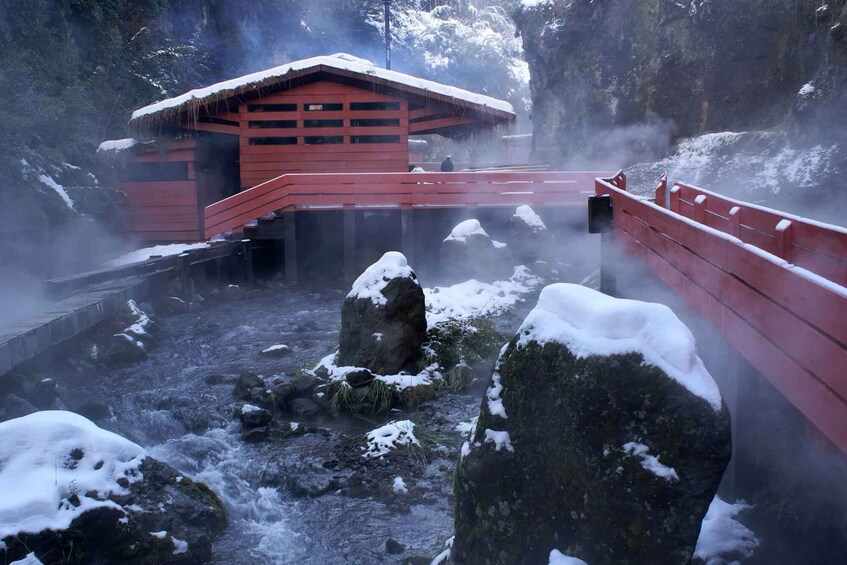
383	319
592	450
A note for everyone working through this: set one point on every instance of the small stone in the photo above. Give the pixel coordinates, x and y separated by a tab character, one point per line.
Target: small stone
303	406
256	435
394	547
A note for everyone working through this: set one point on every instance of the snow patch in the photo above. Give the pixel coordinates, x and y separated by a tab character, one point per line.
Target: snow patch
650	462
474	298
464	229
275	348
399	486
157	250
499	439
530	218
369	285
180	546
722	536
60	190
807	90
558	558
588	323
117	145
385	439
51	457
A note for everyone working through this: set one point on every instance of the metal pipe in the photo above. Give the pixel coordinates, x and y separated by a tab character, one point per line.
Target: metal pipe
387	34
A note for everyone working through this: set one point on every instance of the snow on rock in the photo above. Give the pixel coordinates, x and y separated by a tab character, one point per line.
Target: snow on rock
528	215
29	559
500	439
369	285
535	3
51	461
473	298
807	90
466	228
117	145
649	462
465	428
277	349
492	394
399	486
157	250
588	323
180	546
340	61
722	536
557	557
385	439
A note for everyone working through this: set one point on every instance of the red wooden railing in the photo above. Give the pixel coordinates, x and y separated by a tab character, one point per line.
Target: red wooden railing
403	190
788	322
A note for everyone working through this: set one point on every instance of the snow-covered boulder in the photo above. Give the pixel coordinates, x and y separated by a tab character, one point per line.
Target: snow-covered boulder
529	238
601	434
127	337
469	253
74	493
383	319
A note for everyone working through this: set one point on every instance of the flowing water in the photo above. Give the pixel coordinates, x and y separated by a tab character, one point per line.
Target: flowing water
179	404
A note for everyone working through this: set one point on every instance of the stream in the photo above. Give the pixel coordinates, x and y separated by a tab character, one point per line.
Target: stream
303	499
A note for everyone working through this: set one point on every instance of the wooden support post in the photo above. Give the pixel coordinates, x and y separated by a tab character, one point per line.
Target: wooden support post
407	234
600	221
183	276
674	202
247	258
290	242
700	208
735	221
349	217
783	239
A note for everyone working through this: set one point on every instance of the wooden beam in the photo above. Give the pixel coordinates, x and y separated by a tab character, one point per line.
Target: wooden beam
290	242
350	271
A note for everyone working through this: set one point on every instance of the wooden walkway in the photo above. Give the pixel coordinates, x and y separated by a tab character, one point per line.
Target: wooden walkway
332	191
60	321
772	283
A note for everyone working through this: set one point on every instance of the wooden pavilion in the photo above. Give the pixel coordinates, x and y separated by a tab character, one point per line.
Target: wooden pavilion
327	114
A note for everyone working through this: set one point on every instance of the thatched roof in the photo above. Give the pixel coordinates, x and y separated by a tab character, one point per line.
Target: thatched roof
214	98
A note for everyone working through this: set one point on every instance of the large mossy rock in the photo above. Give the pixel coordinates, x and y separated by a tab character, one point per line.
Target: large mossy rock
89	496
383	319
601	435
529	238
469	253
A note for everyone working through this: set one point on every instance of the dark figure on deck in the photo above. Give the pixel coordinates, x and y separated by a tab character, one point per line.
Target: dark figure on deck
447	165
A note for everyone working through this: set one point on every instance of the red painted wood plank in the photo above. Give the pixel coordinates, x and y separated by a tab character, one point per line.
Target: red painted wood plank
176	236
432	125
164	156
819	403
815	352
214	128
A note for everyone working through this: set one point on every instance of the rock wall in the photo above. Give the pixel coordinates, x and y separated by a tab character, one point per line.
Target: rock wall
683	68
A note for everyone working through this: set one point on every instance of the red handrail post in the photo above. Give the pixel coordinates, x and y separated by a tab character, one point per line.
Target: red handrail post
662	191
784	239
735	221
675	197
700	208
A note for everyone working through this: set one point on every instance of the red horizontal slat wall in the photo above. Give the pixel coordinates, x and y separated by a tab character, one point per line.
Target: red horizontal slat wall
791	328
260	163
164	210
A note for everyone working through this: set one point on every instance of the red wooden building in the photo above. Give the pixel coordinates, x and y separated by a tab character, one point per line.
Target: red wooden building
321	115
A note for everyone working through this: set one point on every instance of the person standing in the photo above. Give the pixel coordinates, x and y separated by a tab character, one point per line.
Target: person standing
447	165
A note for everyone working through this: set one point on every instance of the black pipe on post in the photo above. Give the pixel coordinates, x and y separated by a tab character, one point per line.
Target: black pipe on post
387	34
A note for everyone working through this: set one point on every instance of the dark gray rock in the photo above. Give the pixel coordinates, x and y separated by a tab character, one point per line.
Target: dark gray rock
254	390
16	406
566	480
254	417
384	338
469	253
256	435
529	238
303	386
94	410
394	547
303	406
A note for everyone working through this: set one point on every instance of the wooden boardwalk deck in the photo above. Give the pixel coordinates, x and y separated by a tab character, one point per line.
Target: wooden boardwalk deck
23	339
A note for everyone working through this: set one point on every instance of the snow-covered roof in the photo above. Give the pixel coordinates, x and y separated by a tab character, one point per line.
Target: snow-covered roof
340	63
